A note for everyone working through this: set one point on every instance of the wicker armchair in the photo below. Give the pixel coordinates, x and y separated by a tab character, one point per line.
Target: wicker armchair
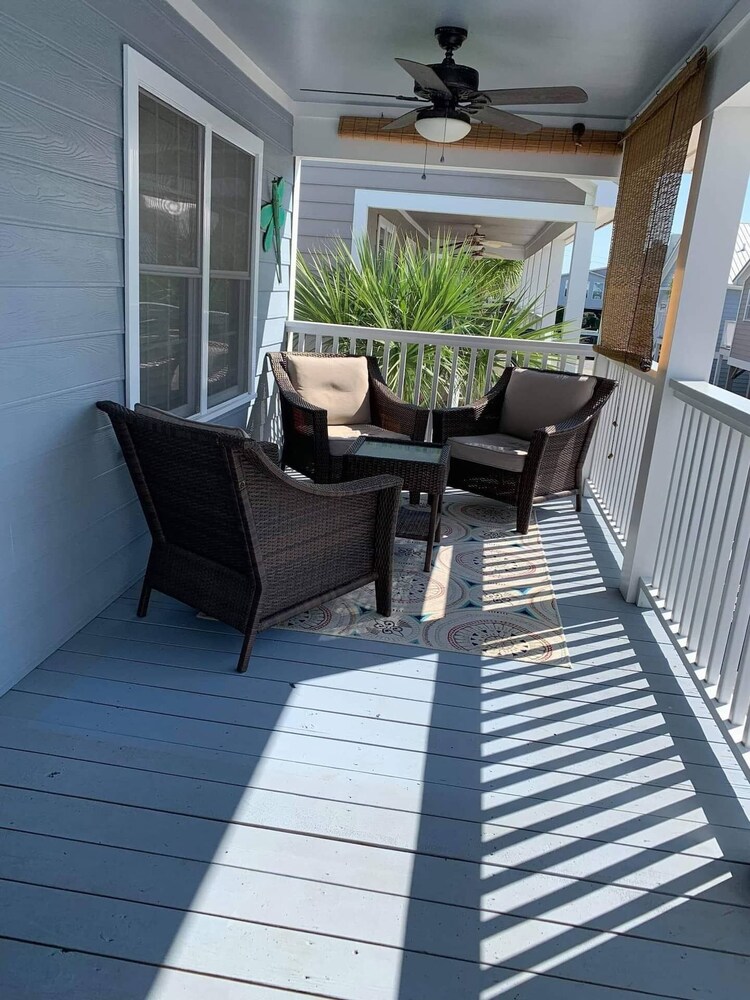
526	439
235	538
315	437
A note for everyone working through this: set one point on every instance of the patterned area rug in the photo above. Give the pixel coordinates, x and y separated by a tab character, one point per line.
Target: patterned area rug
489	591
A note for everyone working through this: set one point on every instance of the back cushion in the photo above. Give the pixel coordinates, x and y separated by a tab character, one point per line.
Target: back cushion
339	385
536	399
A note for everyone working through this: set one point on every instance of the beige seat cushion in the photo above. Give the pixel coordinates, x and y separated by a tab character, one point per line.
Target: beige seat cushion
537	399
499	451
340	386
341	436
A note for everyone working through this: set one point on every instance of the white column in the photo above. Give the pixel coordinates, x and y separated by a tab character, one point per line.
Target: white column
554	277
712	219
580	265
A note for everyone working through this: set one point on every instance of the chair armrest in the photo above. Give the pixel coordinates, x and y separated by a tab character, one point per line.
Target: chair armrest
556	452
461	421
271	451
255	455
394	414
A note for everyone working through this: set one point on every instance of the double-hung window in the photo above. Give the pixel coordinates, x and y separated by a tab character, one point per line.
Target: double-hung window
192	201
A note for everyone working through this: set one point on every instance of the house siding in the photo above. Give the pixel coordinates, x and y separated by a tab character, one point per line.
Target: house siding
741	342
326	203
72	537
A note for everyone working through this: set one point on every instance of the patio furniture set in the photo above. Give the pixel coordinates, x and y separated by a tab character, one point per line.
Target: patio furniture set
238	539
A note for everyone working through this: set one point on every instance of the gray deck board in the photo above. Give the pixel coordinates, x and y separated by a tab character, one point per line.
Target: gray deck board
364	821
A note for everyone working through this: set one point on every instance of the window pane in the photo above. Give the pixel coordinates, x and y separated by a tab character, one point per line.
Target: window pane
231	199
167	351
227	338
170	185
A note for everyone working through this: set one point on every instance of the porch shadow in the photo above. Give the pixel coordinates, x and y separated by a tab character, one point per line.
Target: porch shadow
605	832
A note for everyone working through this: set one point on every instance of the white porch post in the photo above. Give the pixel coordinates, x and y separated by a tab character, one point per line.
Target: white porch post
713	215
580	265
554	277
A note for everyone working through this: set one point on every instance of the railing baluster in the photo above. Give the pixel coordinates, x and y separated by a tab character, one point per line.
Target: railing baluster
418	375
721	653
489	377
741	698
402	369
696	513
736	484
452	378
386	358
335	345
435	377
670	520
687	495
470	375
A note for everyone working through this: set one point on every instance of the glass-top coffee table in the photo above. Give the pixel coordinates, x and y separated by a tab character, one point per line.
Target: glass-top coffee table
423	469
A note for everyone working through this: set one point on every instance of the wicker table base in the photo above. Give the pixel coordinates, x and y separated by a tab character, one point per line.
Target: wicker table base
423	469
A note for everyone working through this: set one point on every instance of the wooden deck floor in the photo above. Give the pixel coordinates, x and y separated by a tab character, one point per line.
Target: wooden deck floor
369	822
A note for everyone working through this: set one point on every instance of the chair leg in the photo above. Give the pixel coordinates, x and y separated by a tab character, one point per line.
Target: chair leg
579	501
523	517
144	599
383	597
414	498
247	648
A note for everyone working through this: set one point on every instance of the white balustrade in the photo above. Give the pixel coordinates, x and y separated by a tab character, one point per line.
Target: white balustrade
701	576
617	447
439	369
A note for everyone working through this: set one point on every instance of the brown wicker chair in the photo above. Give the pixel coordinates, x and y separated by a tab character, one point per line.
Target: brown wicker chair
315	445
237	539
499	450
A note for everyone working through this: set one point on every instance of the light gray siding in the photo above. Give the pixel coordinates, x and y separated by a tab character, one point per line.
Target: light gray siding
71	534
741	342
326	205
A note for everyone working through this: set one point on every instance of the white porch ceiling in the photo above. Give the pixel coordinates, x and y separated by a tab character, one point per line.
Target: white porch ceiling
618	50
517	232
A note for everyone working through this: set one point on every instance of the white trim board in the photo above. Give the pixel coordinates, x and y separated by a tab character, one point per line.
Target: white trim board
140	73
210	30
501	208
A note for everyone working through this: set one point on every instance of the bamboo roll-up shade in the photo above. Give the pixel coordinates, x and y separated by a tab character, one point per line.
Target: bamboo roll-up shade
653	161
595	142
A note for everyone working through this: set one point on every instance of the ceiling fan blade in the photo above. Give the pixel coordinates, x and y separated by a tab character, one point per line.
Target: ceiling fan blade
496	244
408	119
360	93
425	76
536	95
505	120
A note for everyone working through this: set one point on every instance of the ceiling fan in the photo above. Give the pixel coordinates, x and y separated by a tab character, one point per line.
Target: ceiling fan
477	243
452	100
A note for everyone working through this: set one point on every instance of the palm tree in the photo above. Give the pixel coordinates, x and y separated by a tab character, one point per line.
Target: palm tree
435	288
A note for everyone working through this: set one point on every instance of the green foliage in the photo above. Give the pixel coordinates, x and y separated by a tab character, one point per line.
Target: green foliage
433	289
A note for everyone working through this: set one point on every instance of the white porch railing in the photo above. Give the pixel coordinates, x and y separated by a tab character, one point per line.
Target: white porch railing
701	576
616	450
438	369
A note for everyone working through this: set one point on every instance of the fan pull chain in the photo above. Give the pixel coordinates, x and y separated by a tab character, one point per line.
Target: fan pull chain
424	168
442	151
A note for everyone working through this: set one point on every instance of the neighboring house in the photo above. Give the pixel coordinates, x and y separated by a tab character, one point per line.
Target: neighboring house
594	290
739	272
736	349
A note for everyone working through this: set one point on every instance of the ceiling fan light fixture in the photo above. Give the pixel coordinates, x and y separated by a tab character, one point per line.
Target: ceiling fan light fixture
442	125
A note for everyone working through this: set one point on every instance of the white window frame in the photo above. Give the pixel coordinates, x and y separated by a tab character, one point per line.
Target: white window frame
746	316
385	226
139	74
